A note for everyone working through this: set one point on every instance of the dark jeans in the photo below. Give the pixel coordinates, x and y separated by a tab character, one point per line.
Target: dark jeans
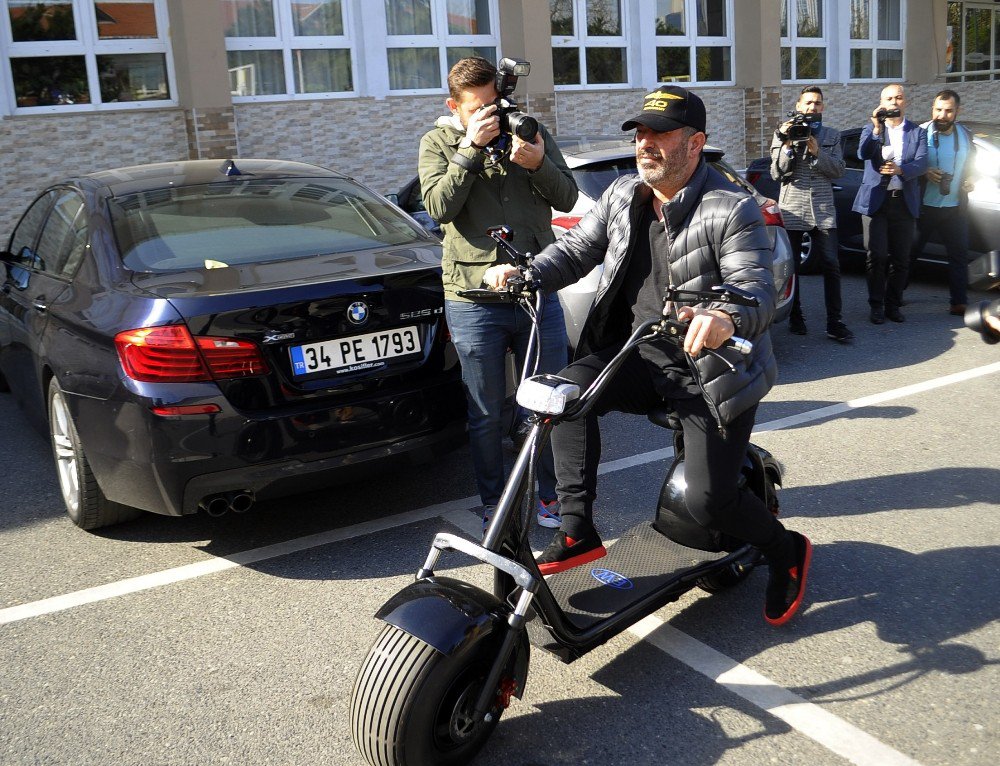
888	237
824	248
712	463
951	226
482	333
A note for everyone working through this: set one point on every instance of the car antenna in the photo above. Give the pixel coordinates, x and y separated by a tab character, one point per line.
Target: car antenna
229	168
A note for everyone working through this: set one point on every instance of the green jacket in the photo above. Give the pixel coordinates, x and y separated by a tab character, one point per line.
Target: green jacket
466	202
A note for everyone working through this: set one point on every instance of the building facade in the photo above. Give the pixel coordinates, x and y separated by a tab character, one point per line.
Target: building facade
353	84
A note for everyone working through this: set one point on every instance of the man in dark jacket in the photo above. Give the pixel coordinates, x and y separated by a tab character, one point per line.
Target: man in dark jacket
679	223
889	200
468	189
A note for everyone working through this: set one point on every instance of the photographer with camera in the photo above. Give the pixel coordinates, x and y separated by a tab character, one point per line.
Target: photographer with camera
482	165
889	200
948	182
805	157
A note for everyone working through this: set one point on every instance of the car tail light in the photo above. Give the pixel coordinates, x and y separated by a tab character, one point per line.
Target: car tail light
772	213
171	355
186	409
566	221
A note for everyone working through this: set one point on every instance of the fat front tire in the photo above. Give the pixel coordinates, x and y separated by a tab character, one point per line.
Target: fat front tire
85	503
412	705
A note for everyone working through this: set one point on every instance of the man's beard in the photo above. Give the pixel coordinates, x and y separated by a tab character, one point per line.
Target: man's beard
943	126
670	170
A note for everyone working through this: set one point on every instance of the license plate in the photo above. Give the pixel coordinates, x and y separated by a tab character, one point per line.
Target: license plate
356	353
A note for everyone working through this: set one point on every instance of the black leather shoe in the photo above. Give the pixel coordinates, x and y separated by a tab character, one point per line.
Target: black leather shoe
894	315
877	316
797	325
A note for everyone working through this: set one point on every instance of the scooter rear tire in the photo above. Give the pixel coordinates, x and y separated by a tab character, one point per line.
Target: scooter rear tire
411	704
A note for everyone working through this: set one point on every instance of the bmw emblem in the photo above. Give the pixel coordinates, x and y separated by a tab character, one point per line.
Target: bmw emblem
357	312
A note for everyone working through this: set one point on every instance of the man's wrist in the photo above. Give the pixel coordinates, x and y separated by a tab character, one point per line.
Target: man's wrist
468	143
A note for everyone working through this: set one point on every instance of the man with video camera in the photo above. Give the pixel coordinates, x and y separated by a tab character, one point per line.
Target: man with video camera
482	165
889	200
806	156
948	182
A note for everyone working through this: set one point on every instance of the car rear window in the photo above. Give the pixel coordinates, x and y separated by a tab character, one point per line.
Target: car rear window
594	178
243	222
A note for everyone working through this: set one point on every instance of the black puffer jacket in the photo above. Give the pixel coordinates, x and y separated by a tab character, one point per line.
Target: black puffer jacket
716	235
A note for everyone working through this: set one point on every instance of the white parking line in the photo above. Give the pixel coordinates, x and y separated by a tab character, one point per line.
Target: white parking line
810	720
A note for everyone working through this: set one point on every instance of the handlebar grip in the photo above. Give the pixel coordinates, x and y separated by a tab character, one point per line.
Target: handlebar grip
742	345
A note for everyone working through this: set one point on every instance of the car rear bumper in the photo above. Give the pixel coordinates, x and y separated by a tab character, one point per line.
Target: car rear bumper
168	465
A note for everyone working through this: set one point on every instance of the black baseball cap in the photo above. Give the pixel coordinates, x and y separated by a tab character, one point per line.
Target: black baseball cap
667	108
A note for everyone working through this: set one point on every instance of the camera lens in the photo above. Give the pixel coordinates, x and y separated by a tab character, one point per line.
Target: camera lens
523	126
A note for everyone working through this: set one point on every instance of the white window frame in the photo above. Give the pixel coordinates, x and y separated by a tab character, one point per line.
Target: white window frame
689	40
958	45
89	46
872	43
581	41
286	43
380	42
792	41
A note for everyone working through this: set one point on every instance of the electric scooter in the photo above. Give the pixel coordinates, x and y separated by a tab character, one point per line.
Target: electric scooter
452	656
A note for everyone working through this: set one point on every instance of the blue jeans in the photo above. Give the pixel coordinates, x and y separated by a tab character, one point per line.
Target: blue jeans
482	333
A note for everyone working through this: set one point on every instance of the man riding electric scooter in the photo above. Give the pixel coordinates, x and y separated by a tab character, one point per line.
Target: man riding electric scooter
678	224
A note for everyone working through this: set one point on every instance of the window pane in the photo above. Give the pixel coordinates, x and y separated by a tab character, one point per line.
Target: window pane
408	17
673	64
51	20
50	80
27	230
61	233
133	77
605	65
468	17
786	63
783	21
889	64
248	18
604	18
810	63
888	20
860	15
325	70
454	54
131	20
256	73
414	68
322	18
976	55
670	17
861	64
566	66
713	64
712	18
561	12
810	20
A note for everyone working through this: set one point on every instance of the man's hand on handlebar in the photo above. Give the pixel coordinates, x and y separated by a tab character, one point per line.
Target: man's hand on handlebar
496	277
707	328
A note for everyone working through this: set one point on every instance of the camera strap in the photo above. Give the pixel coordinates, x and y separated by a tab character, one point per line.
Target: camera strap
936	141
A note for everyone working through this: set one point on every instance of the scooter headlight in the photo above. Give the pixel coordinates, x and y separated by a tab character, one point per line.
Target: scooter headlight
547	394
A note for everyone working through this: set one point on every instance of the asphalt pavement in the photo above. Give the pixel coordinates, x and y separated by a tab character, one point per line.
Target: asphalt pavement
237	640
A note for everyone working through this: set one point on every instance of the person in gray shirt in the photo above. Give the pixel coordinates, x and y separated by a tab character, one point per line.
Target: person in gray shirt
806	156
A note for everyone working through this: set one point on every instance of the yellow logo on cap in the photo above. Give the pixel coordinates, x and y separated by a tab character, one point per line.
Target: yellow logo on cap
658	102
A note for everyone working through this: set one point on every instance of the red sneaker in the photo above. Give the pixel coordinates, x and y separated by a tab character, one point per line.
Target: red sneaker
566	552
786	587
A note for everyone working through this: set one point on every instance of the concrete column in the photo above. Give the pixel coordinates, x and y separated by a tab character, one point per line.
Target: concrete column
924	41
526	32
757	68
197	36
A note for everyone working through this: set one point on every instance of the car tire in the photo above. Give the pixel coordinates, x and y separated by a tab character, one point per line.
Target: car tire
808	264
85	503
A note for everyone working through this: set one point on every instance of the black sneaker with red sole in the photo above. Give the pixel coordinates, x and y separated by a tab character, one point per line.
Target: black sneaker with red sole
565	552
785	588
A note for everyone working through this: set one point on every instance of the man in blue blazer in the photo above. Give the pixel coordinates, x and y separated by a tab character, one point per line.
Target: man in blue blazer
895	151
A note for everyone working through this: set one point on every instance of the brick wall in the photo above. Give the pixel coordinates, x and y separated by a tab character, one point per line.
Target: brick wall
41	150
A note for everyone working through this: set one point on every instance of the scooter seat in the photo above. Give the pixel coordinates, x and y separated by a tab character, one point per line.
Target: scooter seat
664	417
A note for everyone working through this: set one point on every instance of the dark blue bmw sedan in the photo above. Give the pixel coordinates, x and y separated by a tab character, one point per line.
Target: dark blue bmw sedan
205	334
